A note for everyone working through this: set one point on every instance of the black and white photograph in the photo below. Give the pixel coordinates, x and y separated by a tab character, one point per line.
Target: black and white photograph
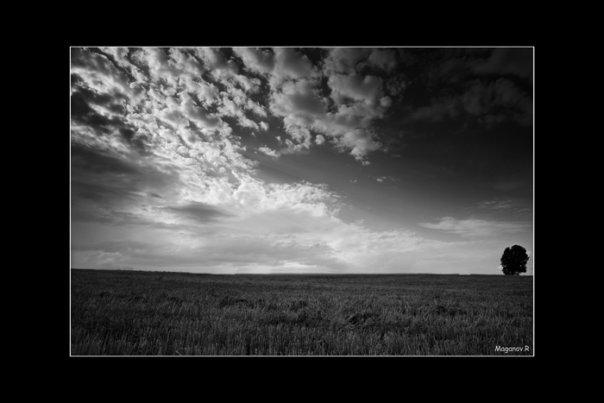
301	201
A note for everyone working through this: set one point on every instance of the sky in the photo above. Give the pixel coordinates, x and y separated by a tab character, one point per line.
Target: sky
301	160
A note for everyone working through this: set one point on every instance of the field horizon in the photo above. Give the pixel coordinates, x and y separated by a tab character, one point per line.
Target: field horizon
298	274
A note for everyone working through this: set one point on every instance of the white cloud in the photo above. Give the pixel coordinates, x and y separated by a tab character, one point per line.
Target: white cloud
304	109
268	151
287	236
366	89
156	61
300	98
214	213
257	60
212	58
99	74
177	92
291	64
197	114
359	142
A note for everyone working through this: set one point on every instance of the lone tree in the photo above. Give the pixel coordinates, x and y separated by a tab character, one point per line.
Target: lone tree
514	260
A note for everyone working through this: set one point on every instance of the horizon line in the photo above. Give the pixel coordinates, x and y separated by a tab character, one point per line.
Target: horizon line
299	274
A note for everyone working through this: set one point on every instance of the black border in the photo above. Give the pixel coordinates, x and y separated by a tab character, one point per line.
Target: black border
390	27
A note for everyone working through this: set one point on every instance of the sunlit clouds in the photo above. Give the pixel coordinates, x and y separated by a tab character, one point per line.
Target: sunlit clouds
205	160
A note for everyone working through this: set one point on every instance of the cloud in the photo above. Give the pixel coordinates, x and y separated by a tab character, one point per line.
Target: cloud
343	112
200	212
268	151
114	188
386	102
385	178
496	204
87	159
213	59
164	170
482	86
356	102
291	64
345	60
281	239
513	61
359	142
99	73
300	98
90	109
260	61
366	89
154	99
498	101
196	114
488	102
475	228
222	222
506	185
383	59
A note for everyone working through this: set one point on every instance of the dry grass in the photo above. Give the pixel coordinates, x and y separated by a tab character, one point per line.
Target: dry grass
147	313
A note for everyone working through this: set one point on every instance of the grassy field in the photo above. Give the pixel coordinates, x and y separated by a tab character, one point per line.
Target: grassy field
151	313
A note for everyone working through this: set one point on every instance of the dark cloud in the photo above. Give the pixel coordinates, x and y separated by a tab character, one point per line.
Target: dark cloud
95	161
113	246
82	113
83	94
485	86
346	60
198	211
487	102
384	59
94	214
112	122
101	193
103	182
498	101
100	69
124	53
503	61
260	61
138	142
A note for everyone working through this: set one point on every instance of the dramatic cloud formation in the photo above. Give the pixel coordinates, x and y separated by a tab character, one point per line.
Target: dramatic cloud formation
211	159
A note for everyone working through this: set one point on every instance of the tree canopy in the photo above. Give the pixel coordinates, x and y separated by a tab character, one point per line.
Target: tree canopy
513	260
